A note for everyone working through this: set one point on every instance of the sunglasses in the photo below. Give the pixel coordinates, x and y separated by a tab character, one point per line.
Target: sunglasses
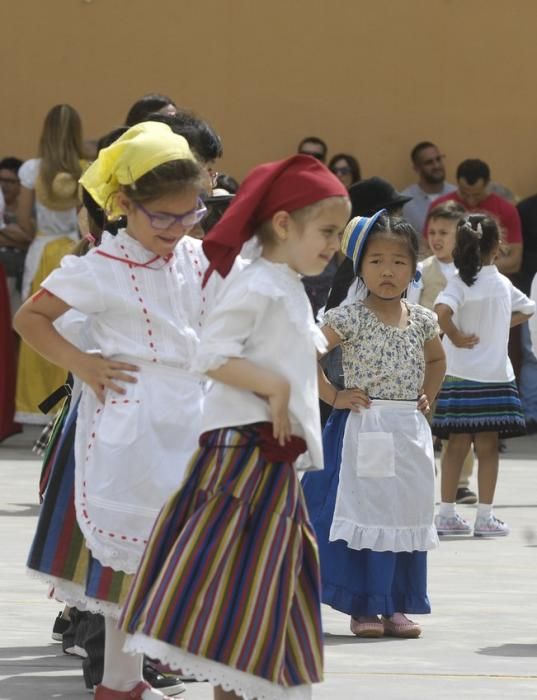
8	181
162	222
317	155
344	170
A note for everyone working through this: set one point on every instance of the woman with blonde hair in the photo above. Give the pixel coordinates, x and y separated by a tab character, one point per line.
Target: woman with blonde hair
47	211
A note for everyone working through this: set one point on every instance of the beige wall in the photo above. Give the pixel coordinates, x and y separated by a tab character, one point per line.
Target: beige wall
372	77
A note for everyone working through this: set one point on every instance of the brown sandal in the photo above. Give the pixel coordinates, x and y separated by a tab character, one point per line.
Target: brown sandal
401	627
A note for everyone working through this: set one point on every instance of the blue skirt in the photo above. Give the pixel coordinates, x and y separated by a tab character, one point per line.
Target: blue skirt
359	582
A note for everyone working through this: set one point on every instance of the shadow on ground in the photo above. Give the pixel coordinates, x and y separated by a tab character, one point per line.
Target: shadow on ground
520	650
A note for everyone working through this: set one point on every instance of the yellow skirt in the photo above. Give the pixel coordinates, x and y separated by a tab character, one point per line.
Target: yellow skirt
36	377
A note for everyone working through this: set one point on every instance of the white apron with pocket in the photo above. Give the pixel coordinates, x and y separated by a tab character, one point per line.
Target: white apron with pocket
385	497
131	455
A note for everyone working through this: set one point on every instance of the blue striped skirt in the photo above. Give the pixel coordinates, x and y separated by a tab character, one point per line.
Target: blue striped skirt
228	587
465	406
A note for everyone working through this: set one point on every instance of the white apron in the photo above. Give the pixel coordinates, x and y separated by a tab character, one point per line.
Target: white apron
385	497
131	455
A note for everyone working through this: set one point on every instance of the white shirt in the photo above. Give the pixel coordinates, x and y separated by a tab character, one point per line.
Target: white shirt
48	221
150	314
264	316
484	309
533	320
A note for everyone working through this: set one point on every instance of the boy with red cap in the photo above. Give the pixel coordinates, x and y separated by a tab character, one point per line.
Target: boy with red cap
228	589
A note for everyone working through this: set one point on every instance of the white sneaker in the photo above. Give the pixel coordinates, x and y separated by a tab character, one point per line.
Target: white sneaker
490	527
453	525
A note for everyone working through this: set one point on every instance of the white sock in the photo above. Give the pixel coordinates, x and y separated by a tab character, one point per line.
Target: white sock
484	510
121	671
447	510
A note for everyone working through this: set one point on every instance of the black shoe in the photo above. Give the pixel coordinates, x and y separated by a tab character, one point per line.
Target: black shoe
531	427
464	495
61	624
74	636
167	683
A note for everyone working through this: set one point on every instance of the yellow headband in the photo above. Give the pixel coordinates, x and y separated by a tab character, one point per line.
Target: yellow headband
136	152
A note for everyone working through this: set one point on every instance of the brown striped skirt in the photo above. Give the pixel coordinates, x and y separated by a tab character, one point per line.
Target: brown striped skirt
229	586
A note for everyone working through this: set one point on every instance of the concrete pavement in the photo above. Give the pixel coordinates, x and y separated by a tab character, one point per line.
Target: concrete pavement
480	641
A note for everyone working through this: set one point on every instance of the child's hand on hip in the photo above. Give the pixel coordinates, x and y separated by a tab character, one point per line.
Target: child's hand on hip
423	404
100	374
353	399
279	409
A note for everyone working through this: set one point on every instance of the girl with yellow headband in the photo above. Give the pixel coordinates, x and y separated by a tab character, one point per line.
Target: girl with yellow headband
139	415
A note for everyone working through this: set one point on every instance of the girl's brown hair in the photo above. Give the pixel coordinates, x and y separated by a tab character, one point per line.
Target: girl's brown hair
172	177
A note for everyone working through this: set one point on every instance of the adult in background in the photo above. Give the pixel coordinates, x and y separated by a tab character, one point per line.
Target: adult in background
346	168
150	104
49	188
13	240
313	146
527	210
428	162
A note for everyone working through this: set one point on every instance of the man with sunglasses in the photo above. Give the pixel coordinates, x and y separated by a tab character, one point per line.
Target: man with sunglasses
428	162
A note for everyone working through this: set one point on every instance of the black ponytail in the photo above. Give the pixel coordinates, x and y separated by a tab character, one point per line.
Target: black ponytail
477	236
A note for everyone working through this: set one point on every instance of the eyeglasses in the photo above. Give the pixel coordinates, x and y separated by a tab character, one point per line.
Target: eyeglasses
319	156
8	181
344	170
432	161
162	222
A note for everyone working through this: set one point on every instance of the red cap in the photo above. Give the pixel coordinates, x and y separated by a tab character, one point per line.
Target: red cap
285	185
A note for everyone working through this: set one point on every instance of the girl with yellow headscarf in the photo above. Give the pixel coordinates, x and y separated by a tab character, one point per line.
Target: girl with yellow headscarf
139	415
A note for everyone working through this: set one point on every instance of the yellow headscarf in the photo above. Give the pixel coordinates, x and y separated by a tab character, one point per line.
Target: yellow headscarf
136	152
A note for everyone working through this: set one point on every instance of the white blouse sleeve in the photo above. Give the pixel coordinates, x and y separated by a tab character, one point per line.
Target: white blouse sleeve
28	173
520	302
228	327
452	295
77	284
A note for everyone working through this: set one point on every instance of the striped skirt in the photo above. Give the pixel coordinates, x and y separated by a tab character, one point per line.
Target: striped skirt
58	554
465	406
228	588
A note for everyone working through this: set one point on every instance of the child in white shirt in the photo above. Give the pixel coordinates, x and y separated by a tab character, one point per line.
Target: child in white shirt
479	400
228	589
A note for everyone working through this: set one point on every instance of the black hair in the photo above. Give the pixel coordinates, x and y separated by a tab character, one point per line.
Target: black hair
477	237
317	141
147	104
354	165
11	163
421	146
109	138
201	137
397	227
473	170
228	183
